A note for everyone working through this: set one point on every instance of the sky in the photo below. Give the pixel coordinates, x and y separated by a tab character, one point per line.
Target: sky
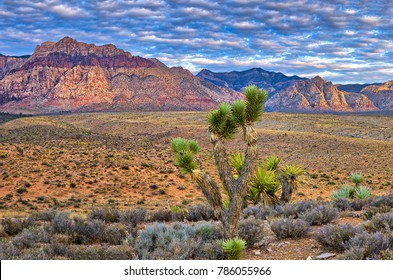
343	41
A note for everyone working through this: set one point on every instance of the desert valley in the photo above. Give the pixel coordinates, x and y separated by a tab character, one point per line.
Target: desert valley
87	170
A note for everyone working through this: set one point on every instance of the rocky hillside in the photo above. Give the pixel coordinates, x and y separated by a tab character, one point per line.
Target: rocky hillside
381	95
74	76
318	95
270	81
9	63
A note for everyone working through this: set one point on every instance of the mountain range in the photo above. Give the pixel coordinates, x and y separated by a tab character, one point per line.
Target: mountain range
72	76
296	94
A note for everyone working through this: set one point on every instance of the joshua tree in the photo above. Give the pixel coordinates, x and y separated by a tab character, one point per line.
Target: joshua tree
223	124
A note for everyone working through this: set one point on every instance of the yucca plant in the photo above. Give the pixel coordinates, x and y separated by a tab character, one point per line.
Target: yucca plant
233	248
289	180
356	178
271	162
344	193
236	161
361	192
263	187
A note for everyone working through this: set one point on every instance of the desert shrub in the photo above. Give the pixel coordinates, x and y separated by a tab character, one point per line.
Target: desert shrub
178	241
87	231
233	248
371	211
123	252
380	222
108	215
335	236
62	224
288	227
361	192
208	231
33	254
58	245
366	246
200	213
342	204
13	226
30	236
380	201
8	251
359	204
46	216
259	212
114	234
85	252
344	193
251	230
210	250
295	210
162	215
133	216
2	231
387	254
320	215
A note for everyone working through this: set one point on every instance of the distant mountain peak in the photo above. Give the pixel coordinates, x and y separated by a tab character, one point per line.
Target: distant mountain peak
237	80
70	46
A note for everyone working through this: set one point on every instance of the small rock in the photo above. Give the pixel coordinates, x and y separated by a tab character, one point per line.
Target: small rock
287	242
269	250
280	244
257	252
309	258
260	243
153	187
324	256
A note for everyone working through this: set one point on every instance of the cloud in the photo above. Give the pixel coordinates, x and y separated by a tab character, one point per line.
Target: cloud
344	40
67	11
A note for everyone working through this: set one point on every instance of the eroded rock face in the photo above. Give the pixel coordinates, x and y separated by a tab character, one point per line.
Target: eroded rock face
75	76
380	95
318	95
9	63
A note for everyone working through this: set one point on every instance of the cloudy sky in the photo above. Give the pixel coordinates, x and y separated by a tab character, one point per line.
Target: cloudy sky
342	40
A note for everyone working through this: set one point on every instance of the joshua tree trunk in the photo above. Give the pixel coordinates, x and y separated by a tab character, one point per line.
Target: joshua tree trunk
286	190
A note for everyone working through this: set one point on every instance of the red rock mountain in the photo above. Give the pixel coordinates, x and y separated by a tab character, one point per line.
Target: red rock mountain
318	95
381	95
75	76
9	63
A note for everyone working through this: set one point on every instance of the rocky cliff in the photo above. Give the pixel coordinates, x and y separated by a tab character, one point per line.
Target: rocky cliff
381	95
9	63
318	95
75	76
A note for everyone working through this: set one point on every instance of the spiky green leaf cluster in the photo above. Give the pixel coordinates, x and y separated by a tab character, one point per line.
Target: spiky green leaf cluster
344	193
264	186
239	112
356	178
292	171
236	161
361	192
221	121
271	162
185	151
234	248
255	98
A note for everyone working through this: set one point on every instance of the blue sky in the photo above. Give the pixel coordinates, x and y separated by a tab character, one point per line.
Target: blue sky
341	40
